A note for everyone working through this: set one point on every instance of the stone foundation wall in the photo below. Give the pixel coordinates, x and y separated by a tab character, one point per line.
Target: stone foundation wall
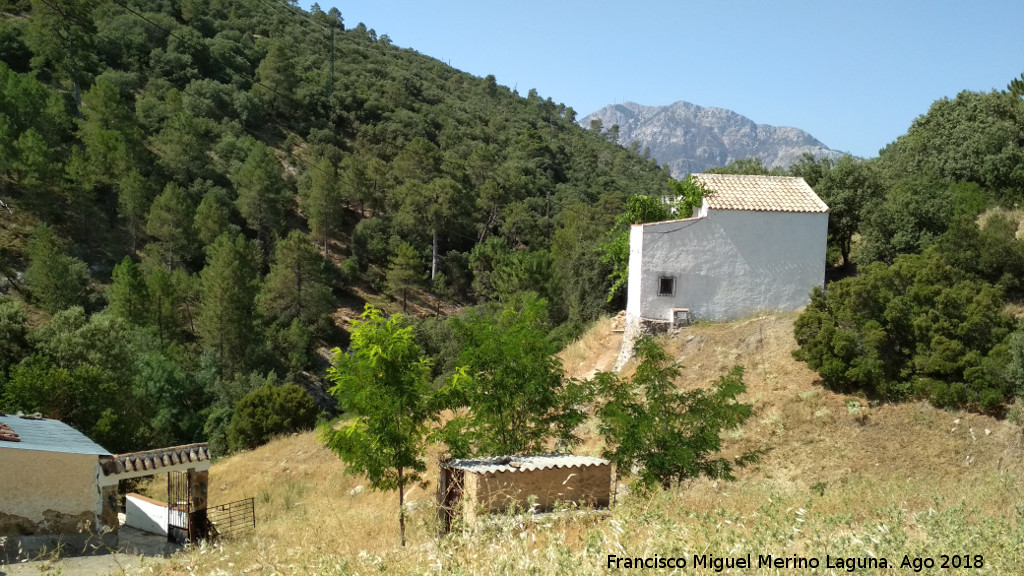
635	329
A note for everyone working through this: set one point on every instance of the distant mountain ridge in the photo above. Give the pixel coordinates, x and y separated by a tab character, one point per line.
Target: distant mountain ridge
691	138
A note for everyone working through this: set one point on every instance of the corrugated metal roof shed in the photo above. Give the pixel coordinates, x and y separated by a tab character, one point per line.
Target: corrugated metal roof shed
524	463
46	435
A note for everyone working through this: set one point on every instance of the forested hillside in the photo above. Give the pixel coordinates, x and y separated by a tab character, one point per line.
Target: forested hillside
190	188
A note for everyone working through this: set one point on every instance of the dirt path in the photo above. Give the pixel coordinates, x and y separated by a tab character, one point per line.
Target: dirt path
596	351
137	551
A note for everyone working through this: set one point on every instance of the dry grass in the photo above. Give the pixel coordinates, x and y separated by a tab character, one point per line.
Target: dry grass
808	432
594	352
1014	215
906	479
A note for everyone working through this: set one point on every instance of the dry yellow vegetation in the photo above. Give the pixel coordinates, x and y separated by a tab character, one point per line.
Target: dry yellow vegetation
835	479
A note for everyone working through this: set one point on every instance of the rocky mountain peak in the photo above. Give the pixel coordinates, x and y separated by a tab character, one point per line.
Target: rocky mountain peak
691	138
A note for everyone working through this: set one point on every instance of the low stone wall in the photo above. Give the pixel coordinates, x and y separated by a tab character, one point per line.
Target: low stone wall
635	329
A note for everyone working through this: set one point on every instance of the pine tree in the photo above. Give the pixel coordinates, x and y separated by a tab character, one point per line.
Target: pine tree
127	294
261	193
227	314
297	286
163	299
321	201
57	281
405	272
213	216
133	201
170	223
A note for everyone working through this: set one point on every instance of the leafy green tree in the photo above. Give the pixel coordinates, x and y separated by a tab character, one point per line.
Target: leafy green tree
615	250
510	392
57	281
227	312
914	213
262	197
405	272
689	195
81	374
270	411
370	241
668	434
975	137
297	287
847	187
383	384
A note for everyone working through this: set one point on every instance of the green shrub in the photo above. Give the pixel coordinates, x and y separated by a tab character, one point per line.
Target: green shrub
269	411
916	328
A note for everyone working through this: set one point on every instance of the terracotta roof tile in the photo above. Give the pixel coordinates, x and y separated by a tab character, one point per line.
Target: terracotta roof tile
760	193
156	459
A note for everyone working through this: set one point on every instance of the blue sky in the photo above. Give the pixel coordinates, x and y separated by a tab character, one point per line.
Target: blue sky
854	74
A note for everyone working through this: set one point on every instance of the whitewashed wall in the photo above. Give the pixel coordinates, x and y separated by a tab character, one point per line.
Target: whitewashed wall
50	491
727	265
145	514
635	271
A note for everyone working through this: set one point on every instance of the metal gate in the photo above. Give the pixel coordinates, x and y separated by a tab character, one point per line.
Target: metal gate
232	517
179	506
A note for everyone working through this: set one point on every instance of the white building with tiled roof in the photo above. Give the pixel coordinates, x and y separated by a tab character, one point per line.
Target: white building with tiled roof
757	243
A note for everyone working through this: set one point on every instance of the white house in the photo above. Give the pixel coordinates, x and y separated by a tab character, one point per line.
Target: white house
757	243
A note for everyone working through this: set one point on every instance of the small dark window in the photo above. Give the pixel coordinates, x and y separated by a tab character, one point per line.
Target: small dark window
666	286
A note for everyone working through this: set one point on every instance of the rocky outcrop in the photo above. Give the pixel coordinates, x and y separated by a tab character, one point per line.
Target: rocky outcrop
691	138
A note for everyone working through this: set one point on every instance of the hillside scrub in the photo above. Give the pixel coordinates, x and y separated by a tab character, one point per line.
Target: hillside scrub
910	480
665	434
